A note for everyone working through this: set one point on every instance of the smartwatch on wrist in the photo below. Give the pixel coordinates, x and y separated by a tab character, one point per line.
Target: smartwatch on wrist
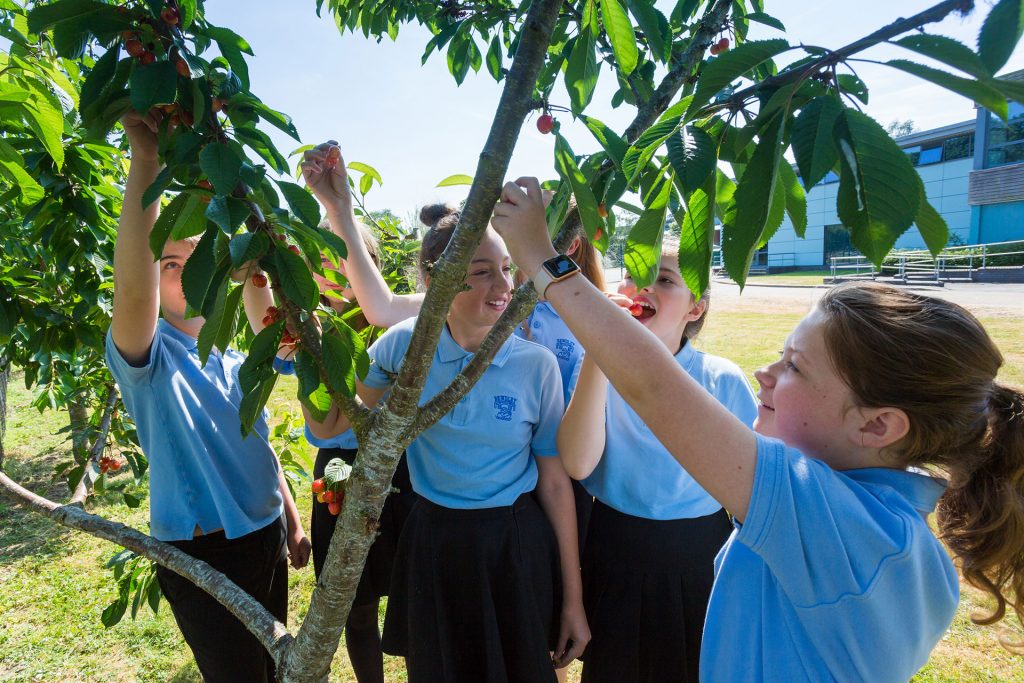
554	270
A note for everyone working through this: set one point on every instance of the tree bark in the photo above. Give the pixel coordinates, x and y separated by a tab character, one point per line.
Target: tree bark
84	487
382	443
5	375
79	415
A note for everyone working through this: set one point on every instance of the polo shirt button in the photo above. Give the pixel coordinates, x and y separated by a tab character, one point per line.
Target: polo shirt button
536	324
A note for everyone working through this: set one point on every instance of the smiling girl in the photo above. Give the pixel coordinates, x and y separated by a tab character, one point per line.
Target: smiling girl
648	561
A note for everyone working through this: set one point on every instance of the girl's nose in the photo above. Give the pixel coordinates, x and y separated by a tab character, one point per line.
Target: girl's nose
764	376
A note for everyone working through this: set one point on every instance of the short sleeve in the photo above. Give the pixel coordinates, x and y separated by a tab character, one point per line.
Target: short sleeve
823	536
386	356
552	407
127	374
284	367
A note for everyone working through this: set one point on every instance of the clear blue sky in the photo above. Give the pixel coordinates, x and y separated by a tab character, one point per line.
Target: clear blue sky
416	127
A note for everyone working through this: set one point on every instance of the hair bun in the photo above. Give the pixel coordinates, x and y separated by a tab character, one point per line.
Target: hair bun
432	213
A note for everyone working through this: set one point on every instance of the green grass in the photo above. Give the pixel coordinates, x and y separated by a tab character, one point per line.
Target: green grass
796	277
55	586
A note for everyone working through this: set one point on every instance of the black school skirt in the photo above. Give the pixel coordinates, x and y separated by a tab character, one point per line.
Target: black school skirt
376	577
646	585
476	595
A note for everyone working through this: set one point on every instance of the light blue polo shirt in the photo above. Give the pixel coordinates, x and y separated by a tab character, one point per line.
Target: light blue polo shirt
636	474
549	330
201	471
480	454
833	576
345	440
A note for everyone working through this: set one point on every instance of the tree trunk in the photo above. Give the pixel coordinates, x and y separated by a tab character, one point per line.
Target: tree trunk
84	487
5	375
79	414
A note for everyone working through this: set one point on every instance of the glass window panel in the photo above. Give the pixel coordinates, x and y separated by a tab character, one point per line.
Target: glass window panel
932	155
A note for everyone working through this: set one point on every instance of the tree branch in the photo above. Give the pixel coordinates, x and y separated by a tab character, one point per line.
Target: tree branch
85	483
271	633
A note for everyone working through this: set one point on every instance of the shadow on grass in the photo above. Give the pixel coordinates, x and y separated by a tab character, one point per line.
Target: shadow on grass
186	674
23	532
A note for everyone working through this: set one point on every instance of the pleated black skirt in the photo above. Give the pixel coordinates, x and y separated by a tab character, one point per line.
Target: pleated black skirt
376	578
476	595
646	585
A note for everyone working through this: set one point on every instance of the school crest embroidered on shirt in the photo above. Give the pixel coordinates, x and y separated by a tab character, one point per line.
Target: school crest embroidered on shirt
505	406
564	348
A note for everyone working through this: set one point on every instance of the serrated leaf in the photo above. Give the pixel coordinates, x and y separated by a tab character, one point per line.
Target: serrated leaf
753	198
182	217
12	167
878	196
222	165
1000	33
655	27
336	471
336	246
307	372
931	225
199	270
295	279
366	169
614	145
247	247
985	95
727	67
948	51
301	202
796	198
697	238
114	612
252	404
493	61
152	84
582	71
565	164
852	85
694	156
766	19
227	212
318	403
457	179
813	143
211	326
338	364
102	72
643	246
619	30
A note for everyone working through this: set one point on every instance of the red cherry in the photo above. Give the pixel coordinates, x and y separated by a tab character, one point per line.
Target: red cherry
545	123
636	310
334	508
127	35
334	152
602	211
259	280
169	15
115	465
723	44
168	108
205	184
714	49
217	105
147	58
134	48
267	321
598	234
183	69
287	339
273	312
329	496
318	485
294	249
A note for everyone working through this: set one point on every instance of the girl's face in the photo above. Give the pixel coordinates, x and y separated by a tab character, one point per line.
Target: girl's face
667	304
804	402
489	278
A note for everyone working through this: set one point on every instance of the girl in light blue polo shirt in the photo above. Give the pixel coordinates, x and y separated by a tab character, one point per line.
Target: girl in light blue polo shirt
648	561
833	572
486	582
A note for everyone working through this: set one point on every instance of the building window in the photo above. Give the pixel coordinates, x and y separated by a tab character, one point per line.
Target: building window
958	147
929	155
837	243
1005	140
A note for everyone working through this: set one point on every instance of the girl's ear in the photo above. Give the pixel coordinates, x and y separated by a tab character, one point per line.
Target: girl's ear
574	246
882	427
697	309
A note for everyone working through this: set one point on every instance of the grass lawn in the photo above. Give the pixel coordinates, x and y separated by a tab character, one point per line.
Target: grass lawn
55	586
796	277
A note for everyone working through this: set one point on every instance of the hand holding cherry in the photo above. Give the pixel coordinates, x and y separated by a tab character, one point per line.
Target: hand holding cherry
323	169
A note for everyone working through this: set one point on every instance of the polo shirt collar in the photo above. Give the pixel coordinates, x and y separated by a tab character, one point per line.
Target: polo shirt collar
686	355
186	340
448	350
918	488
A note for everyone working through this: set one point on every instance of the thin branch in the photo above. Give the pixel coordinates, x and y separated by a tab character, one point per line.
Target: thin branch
85	483
271	633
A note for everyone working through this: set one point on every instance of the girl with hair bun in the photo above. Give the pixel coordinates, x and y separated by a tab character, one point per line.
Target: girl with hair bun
883	406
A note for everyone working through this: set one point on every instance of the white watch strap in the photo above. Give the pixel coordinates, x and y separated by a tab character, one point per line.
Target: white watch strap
541	281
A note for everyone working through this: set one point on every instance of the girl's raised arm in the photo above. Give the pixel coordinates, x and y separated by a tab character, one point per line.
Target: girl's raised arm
327	179
717	449
581	436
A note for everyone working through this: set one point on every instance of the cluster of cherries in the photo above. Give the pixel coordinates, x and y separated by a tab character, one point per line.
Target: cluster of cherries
109	464
333	497
273	315
719	47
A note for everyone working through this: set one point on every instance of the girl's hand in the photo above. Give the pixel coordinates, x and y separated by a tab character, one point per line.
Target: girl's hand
619	299
520	219
323	169
573	635
141	131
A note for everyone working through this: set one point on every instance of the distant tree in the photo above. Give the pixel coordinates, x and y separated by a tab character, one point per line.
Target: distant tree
898	129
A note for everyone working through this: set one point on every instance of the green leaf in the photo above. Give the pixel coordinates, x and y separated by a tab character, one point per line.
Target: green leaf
12	167
232	46
301	202
879	195
985	95
565	164
182	217
247	246
355	344
457	179
260	142
697	237
337	471
114	612
948	51
335	244
931	225
307	372
582	71
222	165
766	19
655	27
152	84
220	324
257	364
42	17
338	364
319	403
459	58
796	198
227	212
493	60
296	281
614	145
727	67
100	76
197	275
619	29
694	156
643	246
46	119
1000	33
754	194
849	83
812	140
253	403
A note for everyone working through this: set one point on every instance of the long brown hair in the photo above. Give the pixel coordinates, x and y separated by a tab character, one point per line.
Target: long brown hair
934	360
442	219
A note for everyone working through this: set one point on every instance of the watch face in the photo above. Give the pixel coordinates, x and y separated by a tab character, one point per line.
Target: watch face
562	265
